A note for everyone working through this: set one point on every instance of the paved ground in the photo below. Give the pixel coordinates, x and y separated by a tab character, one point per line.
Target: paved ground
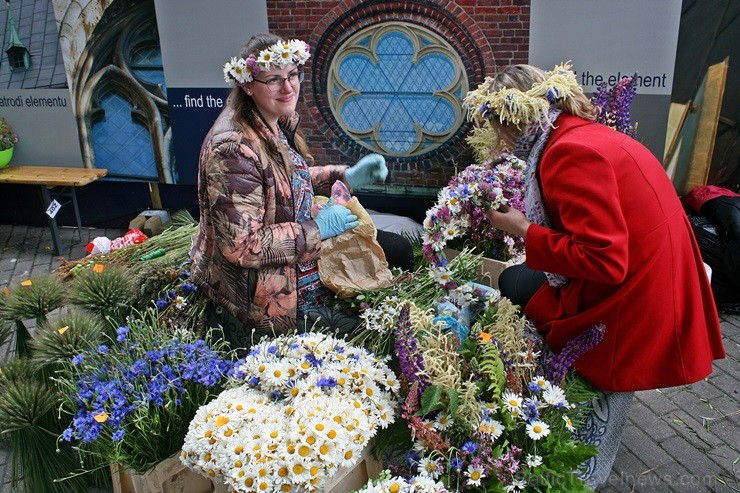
683	439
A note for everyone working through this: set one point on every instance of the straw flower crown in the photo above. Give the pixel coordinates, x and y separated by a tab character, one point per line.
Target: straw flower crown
512	106
279	55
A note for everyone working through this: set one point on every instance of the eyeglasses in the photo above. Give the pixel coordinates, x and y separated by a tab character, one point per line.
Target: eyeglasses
274	84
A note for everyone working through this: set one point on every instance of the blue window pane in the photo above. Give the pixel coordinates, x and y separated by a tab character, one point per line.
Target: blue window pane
122	145
146	65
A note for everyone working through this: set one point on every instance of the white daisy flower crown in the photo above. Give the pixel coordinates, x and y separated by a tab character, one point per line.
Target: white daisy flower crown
279	55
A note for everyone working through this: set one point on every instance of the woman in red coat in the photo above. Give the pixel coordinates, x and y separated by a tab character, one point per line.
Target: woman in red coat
607	243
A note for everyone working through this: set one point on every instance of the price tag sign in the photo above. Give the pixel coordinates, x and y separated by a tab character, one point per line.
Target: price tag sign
53	208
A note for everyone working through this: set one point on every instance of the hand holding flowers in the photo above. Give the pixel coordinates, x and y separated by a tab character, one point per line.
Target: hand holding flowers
459	217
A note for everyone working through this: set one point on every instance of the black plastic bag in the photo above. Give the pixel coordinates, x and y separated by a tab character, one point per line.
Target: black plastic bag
720	249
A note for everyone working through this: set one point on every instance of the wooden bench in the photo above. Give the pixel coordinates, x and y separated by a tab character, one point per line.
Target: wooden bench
54	182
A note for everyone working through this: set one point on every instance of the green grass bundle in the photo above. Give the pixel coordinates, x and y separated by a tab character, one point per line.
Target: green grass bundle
106	291
33	298
28	418
59	340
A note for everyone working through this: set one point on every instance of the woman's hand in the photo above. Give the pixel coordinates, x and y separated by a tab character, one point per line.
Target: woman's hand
367	170
509	220
334	220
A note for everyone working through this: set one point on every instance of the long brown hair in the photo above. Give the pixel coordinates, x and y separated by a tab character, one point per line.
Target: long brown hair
248	116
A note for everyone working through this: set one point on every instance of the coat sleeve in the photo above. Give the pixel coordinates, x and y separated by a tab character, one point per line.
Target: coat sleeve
239	196
323	177
588	238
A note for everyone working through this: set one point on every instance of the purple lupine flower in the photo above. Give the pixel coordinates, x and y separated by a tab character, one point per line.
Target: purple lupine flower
559	364
407	349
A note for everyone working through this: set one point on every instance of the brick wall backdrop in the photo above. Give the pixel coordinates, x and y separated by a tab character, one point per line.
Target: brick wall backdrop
487	34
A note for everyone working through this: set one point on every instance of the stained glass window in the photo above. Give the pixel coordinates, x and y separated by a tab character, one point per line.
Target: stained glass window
397	89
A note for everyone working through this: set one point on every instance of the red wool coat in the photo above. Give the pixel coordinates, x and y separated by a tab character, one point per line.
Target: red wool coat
620	235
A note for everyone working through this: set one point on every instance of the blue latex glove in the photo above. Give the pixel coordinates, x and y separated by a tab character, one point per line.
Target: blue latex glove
367	170
335	219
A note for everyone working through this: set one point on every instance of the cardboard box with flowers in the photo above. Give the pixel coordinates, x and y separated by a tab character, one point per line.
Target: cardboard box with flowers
298	408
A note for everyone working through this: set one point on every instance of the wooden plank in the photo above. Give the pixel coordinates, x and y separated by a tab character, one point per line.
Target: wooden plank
50	176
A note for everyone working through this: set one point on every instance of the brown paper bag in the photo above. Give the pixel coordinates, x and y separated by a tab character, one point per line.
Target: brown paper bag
354	261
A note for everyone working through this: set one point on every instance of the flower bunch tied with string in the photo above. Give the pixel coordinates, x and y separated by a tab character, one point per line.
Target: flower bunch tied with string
458	219
279	55
492	411
298	408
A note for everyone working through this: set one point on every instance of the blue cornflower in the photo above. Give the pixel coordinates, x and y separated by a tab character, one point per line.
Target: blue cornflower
456	463
254	381
161	303
68	435
326	383
171	294
312	359
122	333
118	435
272	350
529	409
534	387
155	355
184	274
77	359
103	349
469	447
187	287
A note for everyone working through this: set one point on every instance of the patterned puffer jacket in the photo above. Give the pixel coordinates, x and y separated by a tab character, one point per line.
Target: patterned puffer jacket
245	254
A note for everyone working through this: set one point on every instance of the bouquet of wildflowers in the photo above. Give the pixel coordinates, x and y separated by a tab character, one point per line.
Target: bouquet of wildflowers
487	411
133	398
299	407
428	288
458	218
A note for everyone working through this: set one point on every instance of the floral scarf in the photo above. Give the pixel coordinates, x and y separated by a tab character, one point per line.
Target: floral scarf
529	147
311	291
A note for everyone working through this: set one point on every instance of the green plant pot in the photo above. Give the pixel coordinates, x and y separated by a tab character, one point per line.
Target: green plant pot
6	156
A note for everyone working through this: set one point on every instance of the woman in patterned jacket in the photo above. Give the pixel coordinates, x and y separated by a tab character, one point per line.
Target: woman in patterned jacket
255	254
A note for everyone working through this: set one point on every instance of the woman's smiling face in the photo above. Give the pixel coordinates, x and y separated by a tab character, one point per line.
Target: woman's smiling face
275	92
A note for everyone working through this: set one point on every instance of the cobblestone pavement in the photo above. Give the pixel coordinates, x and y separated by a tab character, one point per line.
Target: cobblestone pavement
682	439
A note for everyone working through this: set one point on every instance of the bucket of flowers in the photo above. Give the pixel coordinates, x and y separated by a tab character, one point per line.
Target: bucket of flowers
489	410
458	219
132	398
298	408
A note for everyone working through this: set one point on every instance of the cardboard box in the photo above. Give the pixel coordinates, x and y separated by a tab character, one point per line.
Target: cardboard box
169	476
490	269
353	478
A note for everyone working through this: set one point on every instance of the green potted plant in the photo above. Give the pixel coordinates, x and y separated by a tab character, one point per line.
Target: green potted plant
8	138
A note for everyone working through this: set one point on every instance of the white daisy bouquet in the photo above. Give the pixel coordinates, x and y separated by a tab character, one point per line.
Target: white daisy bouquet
458	219
300	407
490	411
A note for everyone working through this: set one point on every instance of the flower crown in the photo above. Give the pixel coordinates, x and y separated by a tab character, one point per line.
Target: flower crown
279	55
511	105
